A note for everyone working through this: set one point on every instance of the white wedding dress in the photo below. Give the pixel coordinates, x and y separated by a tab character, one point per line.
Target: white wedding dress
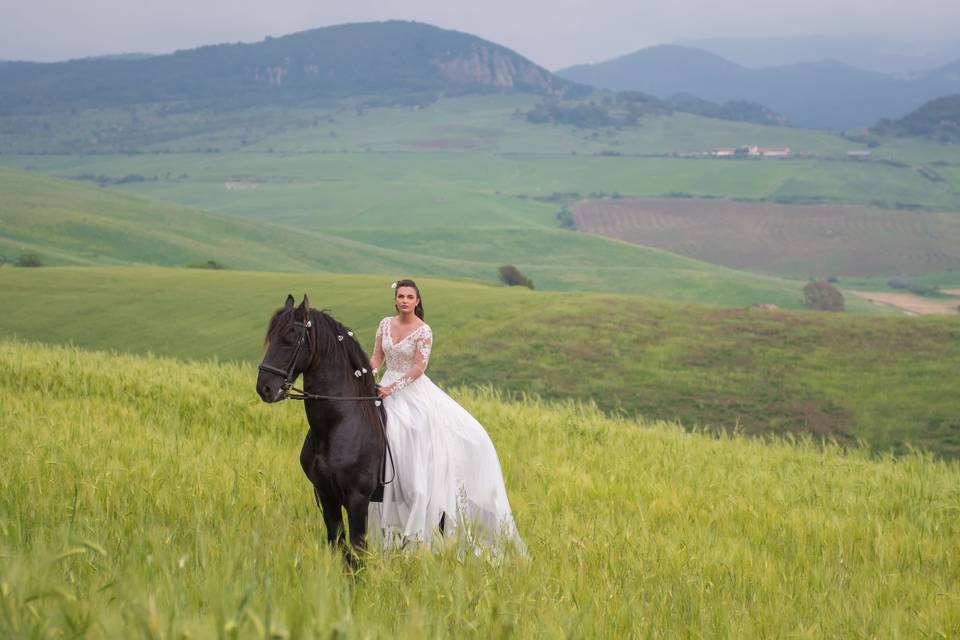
445	464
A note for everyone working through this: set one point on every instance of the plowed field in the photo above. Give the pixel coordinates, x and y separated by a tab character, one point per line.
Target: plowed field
800	240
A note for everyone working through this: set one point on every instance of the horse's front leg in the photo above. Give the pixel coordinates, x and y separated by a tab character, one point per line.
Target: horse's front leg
329	506
332	516
358	507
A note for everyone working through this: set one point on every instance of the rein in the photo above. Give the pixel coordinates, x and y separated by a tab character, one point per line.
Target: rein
291	392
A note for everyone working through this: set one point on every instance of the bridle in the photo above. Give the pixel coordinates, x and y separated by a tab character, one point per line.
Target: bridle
287	373
291	392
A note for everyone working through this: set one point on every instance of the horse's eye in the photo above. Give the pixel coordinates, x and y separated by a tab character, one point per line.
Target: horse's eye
288	338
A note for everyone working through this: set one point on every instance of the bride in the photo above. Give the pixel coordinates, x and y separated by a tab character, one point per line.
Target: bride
447	475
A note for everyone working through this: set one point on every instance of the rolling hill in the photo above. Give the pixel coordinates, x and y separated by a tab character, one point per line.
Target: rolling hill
824	94
766	373
73	223
387	59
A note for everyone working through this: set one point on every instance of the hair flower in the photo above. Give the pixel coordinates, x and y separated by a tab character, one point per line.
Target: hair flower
350	333
393	285
364	369
357	373
339	338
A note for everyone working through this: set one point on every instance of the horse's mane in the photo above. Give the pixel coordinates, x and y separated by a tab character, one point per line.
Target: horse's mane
334	346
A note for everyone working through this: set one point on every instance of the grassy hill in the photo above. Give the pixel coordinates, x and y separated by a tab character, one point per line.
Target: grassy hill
70	223
146	496
769	372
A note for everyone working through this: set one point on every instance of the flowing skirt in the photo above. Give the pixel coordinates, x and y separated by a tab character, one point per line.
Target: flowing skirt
445	465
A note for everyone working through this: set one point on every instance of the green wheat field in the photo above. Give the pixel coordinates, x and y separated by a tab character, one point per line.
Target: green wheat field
146	497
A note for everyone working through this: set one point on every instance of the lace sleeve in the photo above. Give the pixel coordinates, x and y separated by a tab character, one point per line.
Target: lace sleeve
377	358
421	356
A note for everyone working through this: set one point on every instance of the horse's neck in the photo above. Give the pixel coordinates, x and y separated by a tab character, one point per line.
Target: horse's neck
322	380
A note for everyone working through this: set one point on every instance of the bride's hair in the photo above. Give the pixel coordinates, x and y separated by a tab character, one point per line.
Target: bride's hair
418	310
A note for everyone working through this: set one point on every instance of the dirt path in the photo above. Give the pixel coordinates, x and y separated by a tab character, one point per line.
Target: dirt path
952	292
911	304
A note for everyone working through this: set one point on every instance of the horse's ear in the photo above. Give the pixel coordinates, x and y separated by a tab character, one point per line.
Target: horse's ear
303	311
289	303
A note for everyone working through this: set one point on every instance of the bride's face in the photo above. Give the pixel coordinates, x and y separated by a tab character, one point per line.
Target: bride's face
406	299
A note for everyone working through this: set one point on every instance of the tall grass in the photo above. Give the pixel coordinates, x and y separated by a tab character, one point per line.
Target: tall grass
140	496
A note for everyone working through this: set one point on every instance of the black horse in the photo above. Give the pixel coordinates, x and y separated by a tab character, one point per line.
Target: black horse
343	453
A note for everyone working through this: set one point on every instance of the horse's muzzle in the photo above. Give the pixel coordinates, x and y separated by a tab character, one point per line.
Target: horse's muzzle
270	387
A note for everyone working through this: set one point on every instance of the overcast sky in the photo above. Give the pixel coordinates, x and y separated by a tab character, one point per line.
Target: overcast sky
553	33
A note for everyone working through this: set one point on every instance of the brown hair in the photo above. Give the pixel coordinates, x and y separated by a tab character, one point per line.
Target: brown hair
418	310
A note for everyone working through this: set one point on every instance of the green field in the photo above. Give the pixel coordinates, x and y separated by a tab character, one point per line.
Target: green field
470	123
480	188
771	373
145	497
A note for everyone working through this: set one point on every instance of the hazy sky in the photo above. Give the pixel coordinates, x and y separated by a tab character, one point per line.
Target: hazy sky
554	33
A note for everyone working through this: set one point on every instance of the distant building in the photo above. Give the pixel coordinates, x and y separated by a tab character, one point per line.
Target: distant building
751	150
765	152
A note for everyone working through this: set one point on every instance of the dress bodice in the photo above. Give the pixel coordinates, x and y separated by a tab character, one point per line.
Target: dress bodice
413	351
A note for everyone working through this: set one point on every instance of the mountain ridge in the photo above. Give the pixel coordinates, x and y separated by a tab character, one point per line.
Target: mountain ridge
828	94
393	57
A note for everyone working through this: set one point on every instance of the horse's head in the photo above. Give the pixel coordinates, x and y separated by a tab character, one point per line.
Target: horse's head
287	350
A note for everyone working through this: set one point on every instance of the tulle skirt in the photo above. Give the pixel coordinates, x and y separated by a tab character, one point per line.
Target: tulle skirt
444	466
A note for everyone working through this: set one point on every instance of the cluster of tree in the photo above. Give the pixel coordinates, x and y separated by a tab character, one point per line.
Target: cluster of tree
611	110
105	181
735	110
512	277
938	119
902	282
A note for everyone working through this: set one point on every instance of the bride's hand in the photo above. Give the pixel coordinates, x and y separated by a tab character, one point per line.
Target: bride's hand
383	392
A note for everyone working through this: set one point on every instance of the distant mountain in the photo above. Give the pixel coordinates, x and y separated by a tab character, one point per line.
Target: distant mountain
345	60
827	95
938	119
886	55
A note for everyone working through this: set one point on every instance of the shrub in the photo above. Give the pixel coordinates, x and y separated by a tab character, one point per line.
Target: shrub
30	260
512	277
209	264
823	296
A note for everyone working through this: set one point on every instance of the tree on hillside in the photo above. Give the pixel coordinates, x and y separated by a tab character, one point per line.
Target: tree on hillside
512	277
30	260
823	296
